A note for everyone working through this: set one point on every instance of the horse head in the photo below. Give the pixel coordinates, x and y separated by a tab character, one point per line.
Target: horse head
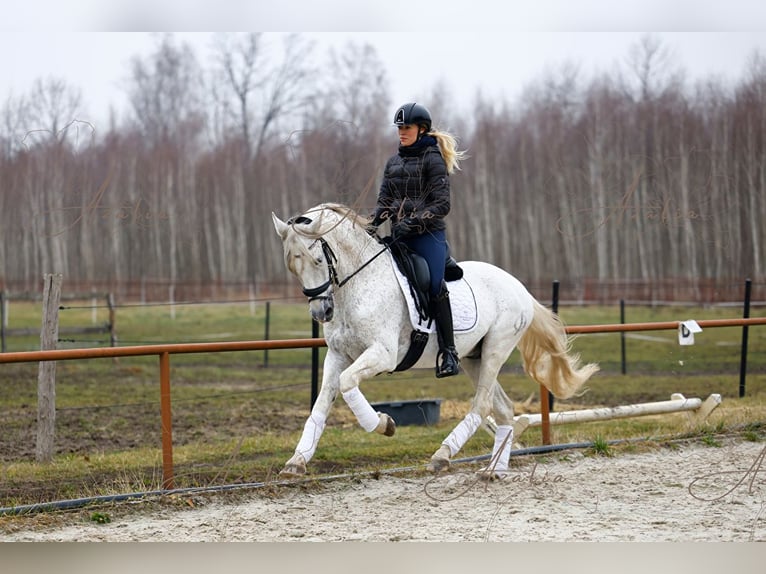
310	240
310	258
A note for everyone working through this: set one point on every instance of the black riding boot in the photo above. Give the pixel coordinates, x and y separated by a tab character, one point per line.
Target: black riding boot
447	361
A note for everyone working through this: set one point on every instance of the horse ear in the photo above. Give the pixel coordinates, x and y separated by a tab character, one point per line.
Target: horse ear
280	226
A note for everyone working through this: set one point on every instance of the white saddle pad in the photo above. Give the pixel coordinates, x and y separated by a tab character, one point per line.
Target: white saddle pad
462	302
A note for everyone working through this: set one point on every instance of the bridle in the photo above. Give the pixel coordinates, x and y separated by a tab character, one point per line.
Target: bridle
314	293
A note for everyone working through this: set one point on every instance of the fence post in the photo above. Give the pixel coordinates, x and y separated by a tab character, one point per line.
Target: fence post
555	308
622	338
266	334
546	398
172	297
3	321
93	307
743	360
112	317
46	378
166	415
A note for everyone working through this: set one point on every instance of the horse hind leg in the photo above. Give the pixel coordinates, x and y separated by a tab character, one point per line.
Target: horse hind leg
502	409
440	460
483	372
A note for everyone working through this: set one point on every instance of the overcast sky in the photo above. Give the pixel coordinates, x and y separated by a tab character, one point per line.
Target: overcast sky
495	47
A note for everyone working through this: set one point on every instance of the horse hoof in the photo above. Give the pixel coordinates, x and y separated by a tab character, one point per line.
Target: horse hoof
440	460
292	471
491	475
386	425
438	464
294	468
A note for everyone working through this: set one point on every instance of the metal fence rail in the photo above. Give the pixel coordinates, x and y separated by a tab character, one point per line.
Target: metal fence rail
165	350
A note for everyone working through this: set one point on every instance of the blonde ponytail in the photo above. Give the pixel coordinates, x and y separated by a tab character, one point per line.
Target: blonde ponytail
448	147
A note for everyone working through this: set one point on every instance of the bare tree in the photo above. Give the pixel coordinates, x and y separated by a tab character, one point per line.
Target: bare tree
654	181
54	104
358	86
166	96
14	123
751	99
651	63
356	111
239	58
264	89
166	92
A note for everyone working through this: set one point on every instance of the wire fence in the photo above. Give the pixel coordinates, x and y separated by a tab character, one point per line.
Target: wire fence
234	404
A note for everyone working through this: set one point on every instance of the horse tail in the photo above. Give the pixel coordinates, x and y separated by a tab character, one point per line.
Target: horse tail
546	352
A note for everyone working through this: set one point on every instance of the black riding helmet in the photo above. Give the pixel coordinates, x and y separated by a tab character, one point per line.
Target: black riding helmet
413	113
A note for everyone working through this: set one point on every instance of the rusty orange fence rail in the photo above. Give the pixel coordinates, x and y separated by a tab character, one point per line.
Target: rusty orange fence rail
164	351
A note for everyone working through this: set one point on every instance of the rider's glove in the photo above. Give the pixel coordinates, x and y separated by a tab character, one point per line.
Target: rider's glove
404	227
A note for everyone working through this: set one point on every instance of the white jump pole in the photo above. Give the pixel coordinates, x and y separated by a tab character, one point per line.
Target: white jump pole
677	403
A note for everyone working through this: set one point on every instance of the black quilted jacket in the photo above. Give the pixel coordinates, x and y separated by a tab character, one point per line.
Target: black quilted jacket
415	185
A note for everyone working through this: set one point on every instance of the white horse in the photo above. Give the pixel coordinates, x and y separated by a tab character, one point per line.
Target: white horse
353	290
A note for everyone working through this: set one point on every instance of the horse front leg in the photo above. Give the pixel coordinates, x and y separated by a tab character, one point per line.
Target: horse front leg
375	359
315	424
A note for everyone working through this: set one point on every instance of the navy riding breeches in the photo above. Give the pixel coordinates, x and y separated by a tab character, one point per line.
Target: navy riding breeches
431	246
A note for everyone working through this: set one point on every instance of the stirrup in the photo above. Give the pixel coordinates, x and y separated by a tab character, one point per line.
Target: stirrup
449	363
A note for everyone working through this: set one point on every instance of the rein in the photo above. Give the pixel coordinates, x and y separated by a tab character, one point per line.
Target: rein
314	293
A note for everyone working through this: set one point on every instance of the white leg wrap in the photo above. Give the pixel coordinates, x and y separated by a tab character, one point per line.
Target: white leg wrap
501	452
462	432
310	438
365	414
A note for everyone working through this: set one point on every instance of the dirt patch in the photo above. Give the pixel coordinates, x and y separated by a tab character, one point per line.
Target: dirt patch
690	492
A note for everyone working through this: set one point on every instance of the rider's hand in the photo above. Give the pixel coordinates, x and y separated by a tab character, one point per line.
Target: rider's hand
404	227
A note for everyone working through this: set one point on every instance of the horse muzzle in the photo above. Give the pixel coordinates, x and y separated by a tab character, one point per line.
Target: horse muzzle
322	308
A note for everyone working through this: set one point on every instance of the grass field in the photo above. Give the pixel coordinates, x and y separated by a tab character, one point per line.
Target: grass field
237	416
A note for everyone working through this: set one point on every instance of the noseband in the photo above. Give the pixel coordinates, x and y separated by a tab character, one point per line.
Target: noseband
315	293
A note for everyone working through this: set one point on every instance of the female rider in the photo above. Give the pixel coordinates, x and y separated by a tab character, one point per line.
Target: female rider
415	196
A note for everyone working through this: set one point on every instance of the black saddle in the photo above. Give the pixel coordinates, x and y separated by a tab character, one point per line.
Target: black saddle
415	269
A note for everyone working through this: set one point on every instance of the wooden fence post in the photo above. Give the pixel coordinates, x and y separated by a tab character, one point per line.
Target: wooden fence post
46	378
93	307
172	297
112	317
3	321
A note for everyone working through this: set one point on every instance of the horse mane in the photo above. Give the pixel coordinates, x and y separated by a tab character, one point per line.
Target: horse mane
344	213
